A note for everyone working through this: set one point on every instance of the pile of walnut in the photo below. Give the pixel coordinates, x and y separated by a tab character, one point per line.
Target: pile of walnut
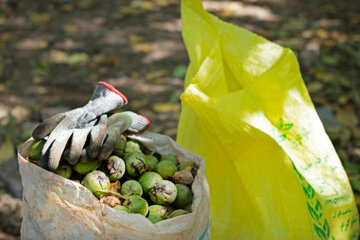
133	180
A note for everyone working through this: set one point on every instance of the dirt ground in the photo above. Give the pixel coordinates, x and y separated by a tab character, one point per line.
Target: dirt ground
52	53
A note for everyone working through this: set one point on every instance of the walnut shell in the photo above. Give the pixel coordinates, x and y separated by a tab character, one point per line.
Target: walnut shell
183	177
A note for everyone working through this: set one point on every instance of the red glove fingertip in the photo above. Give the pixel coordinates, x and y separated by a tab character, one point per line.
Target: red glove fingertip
112	88
148	125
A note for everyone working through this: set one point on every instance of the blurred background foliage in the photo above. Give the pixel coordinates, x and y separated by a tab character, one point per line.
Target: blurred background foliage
52	53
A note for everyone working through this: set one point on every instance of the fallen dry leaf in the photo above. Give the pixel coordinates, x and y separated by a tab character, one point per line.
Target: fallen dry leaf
156	74
106	61
346	118
139	44
40	18
315	87
128	11
70	28
138	104
165	107
32	44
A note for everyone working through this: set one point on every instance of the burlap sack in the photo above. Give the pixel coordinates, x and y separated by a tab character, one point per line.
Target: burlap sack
57	208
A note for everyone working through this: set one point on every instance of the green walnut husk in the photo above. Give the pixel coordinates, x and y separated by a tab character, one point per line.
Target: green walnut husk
34	151
187	165
171	158
116	168
184	196
132	146
163	192
64	170
148	179
86	167
96	180
137	204
166	169
188	208
177	212
153	161
131	187
122	208
119	148
157	213
136	164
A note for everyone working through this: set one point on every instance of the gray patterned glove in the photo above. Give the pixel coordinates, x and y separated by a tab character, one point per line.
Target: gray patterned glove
77	124
118	123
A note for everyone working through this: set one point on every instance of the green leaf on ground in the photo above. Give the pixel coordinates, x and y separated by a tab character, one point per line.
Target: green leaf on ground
356	184
179	71
174	99
42	68
351	168
329	60
76	58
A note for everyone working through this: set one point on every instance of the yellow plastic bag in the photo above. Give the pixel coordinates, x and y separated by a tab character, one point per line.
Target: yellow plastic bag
272	170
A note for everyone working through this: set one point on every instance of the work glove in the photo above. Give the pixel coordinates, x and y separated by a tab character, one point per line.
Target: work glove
77	124
118	123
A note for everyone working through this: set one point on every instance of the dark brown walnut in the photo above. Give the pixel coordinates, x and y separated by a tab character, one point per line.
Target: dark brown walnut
194	171
115	186
190	166
183	177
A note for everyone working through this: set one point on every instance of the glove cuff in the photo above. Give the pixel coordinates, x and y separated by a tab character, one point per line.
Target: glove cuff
113	89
